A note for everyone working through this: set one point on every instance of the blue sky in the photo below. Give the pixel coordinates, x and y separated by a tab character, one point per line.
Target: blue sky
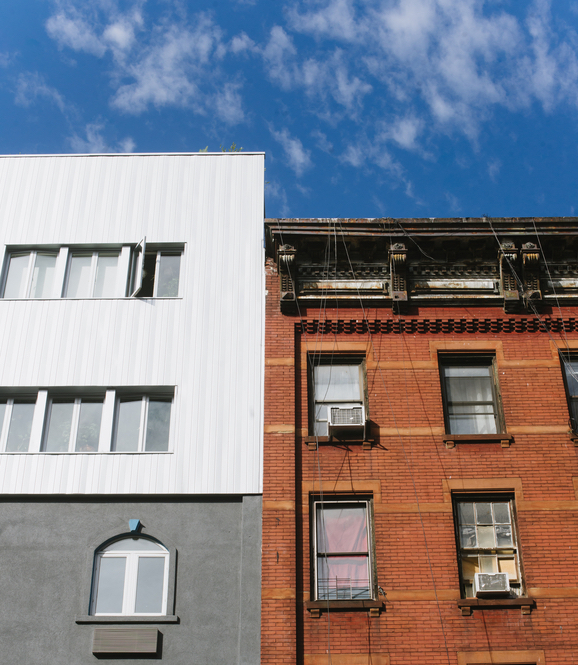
365	108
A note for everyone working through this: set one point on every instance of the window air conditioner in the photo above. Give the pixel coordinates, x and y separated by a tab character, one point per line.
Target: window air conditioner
346	419
491	584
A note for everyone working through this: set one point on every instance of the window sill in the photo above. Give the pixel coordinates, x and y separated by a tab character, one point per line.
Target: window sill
315	607
312	442
504	440
468	604
164	618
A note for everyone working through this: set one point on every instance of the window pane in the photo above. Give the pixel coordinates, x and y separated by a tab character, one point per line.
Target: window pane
504	535
468	536
20	427
158	425
128	425
79	277
484	513
341	529
472	424
149	586
43	276
110	587
470	566
58	436
88	427
342	578
466	513
168	277
486	536
508	565
17	269
488	564
337	383
105	284
502	513
134	545
571	369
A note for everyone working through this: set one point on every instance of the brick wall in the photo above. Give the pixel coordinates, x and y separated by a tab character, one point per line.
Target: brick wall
411	475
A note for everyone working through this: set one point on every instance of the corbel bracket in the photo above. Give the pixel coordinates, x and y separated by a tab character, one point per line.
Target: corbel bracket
508	269
286	258
398	275
531	273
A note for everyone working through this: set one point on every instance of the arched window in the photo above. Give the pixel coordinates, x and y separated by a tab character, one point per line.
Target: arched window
130	578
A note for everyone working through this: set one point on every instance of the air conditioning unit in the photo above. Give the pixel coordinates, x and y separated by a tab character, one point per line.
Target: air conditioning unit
346	419
491	584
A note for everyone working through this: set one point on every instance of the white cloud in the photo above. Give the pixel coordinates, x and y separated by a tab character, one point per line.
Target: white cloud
96	143
462	58
69	29
32	86
494	167
273	190
298	158
322	141
4	59
170	62
277	54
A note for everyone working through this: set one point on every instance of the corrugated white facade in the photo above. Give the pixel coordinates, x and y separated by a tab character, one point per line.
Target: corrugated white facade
206	344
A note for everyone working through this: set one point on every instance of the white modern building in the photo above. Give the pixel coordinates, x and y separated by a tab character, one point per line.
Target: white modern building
131	407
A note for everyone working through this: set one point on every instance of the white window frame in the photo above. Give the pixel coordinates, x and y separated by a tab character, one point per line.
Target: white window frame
95	255
29	272
494	553
77	403
42	400
144	412
316	555
5	424
130	579
318	424
138	269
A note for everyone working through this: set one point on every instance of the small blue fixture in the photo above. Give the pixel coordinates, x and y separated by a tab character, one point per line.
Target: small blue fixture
134	525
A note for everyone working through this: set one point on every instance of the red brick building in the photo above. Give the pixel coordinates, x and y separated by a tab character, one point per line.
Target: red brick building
421	475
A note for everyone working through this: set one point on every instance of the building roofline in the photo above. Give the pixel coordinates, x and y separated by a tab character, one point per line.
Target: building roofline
133	154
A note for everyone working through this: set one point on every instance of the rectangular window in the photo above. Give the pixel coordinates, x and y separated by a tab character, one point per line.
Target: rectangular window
79	272
338	395
92	275
30	274
16	424
55	421
569	364
470	395
155	272
341	552
142	424
72	425
487	542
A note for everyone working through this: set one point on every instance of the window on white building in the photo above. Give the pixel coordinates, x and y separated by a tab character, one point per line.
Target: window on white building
142	424
85	421
130	578
96	272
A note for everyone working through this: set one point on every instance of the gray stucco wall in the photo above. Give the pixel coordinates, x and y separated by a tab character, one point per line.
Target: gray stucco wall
46	548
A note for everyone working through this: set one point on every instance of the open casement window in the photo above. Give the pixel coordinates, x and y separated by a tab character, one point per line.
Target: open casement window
92	275
142	424
486	538
570	372
72	425
30	274
470	393
130	578
341	552
337	393
16	417
156	272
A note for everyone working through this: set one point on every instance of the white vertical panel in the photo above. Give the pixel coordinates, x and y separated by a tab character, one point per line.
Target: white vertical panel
207	343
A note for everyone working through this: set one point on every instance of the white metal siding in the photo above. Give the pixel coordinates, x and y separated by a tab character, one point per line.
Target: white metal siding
208	342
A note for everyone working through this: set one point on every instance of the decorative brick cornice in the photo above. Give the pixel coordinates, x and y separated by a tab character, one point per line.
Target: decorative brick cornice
436	326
